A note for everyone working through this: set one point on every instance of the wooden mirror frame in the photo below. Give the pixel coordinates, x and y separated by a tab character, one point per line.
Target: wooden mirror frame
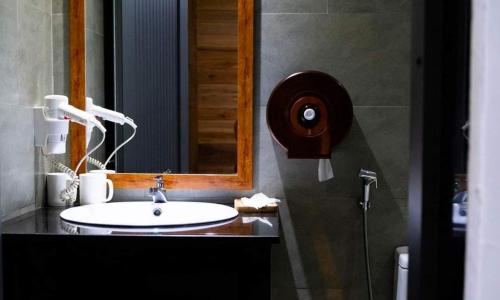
242	180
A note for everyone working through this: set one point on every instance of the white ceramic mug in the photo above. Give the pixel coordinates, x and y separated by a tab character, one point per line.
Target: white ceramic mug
56	184
93	188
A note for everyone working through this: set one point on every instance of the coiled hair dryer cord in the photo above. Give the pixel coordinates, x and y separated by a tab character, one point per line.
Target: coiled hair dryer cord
69	194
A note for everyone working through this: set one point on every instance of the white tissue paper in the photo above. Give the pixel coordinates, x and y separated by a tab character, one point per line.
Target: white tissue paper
253	219
258	200
325	171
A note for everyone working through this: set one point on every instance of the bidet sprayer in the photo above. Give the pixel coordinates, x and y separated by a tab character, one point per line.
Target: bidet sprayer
368	177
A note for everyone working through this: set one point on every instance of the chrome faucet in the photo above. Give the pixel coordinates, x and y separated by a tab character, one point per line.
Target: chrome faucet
368	178
158	192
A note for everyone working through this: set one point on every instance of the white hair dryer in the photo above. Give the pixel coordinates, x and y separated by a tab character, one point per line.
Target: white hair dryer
105	114
112	116
52	123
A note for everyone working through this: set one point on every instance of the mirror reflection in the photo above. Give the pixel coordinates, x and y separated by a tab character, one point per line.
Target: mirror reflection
171	66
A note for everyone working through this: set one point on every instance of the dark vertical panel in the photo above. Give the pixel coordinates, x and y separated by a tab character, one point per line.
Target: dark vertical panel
150	84
439	77
456	91
184	85
116	66
109	77
458	26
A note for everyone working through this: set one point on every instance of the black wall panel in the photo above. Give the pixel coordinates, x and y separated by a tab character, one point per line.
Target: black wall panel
147	82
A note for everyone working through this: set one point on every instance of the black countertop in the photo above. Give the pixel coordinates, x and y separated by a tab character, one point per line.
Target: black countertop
43	256
46	222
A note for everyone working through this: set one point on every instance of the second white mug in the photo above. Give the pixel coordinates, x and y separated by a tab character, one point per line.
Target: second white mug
93	188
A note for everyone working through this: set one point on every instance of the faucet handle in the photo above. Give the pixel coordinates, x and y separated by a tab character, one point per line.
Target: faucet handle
159	181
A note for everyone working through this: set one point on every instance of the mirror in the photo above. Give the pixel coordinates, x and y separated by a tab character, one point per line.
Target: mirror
182	70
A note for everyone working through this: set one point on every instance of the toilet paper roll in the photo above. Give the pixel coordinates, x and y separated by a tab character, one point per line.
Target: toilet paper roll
309	113
325	170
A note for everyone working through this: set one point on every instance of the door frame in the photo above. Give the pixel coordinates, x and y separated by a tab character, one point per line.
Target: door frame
439	91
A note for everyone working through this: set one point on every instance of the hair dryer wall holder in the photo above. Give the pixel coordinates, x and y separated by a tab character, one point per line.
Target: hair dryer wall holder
50	133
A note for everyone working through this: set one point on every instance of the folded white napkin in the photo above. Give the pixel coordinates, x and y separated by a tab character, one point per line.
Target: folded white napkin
258	200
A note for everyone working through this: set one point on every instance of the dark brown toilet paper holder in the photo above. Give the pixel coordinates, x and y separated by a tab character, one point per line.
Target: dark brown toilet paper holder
308	113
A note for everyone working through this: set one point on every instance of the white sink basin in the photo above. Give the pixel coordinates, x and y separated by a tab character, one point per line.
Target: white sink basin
141	214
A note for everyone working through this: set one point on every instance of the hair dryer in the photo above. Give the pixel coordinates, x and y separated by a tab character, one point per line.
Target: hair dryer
111	116
51	123
105	114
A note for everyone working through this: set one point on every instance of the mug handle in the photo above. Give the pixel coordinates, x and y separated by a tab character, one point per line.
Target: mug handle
110	188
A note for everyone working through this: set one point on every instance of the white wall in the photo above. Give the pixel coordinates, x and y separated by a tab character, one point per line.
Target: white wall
482	279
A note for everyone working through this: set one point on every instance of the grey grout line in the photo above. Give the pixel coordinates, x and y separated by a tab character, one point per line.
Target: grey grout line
53	85
381	106
304	294
304	13
299	276
298	13
94	32
37	8
363	106
333	13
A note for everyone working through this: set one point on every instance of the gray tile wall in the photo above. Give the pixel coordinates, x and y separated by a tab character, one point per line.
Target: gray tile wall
60	42
60	54
94	54
26	76
365	44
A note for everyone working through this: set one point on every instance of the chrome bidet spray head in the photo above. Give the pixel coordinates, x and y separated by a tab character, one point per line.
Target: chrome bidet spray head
368	178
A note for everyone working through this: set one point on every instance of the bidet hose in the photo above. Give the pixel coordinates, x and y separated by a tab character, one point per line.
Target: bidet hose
367	254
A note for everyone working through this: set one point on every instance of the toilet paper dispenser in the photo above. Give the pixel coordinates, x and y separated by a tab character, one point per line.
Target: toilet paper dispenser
309	113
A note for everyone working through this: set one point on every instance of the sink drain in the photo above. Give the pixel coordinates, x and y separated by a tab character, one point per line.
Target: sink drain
157	211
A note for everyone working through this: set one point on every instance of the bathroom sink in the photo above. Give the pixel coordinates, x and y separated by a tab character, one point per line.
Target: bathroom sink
148	214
